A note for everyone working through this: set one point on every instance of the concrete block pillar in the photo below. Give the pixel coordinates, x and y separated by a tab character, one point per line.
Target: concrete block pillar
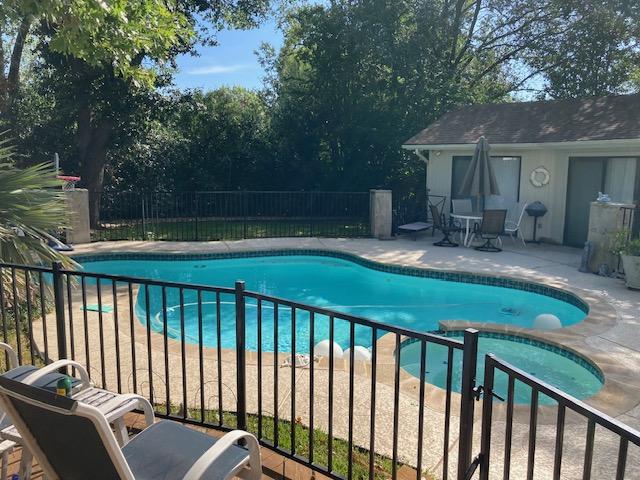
381	213
79	230
605	219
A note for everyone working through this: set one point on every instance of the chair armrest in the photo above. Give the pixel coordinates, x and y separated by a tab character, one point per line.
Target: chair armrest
119	405
13	358
52	367
204	462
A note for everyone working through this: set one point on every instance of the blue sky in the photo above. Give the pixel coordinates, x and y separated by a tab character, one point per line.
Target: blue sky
232	62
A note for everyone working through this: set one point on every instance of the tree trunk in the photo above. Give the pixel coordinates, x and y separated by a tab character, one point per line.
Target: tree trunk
13	79
92	140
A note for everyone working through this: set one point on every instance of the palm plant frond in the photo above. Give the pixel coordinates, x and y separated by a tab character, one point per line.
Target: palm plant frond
31	202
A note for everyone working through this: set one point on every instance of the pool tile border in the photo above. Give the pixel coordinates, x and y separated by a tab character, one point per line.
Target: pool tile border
444	275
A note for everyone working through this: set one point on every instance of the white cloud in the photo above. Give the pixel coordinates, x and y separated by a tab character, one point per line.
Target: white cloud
217	69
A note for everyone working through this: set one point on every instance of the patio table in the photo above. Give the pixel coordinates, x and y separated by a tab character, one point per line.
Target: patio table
469	221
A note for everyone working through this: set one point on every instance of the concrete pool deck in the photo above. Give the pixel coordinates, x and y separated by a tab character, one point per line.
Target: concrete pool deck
615	342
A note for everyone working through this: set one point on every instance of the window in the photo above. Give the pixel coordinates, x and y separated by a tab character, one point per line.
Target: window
507	171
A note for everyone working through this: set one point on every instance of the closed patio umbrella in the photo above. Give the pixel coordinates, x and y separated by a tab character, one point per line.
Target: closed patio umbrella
480	179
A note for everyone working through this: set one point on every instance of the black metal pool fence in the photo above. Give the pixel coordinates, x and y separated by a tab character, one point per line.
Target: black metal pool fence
193	216
343	418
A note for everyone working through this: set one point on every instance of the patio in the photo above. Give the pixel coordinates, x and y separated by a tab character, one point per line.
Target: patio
614	342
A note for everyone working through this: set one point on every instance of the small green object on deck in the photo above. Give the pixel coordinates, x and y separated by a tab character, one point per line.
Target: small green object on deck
96	308
63	387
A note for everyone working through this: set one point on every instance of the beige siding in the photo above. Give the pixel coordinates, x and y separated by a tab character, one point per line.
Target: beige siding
553	195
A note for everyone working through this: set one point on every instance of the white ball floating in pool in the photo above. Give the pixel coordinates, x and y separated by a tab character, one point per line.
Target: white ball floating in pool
547	321
323	348
360	354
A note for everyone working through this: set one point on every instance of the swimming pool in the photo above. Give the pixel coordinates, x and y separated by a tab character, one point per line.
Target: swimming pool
558	367
391	297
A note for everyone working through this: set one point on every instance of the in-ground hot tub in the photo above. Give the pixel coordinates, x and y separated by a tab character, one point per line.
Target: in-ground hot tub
559	367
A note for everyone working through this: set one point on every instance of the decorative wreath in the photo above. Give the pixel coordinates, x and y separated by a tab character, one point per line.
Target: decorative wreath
539	176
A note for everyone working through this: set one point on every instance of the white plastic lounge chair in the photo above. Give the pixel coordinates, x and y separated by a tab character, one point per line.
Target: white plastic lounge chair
513	227
9	439
114	406
71	439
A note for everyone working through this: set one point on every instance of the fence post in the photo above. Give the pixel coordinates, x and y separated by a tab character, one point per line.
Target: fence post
245	208
467	402
58	300
241	363
196	214
380	213
487	413
144	220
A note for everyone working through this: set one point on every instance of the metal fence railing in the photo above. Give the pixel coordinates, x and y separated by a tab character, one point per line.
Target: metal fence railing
225	358
197	216
578	444
221	357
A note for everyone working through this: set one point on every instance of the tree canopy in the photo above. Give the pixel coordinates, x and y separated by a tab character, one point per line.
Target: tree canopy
353	80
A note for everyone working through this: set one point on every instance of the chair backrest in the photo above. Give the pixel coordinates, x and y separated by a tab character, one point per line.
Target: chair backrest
435	215
494	202
522	206
493	222
69	439
462	205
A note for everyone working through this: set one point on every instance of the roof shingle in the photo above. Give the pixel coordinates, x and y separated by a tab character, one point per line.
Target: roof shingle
599	118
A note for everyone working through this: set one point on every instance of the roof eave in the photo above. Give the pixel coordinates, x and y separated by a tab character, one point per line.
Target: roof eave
579	144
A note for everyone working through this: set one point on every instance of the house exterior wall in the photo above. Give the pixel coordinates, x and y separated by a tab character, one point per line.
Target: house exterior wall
553	195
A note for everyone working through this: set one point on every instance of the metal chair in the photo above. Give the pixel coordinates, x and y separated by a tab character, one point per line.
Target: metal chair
513	227
446	228
418	226
461	205
490	229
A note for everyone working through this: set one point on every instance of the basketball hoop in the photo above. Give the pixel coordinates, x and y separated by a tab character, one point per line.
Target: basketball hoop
68	182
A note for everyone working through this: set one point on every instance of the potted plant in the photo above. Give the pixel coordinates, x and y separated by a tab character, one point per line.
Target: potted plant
629	250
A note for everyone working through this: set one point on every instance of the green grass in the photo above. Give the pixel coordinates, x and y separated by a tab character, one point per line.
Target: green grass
230	229
360	456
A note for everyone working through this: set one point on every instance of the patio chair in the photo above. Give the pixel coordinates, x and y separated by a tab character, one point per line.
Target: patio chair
490	229
414	228
8	441
461	205
447	228
512	227
71	439
112	405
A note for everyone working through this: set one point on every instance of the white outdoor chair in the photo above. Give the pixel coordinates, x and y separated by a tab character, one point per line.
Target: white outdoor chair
72	439
513	227
461	205
112	405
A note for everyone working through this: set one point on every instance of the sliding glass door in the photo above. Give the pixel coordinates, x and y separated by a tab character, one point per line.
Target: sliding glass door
617	176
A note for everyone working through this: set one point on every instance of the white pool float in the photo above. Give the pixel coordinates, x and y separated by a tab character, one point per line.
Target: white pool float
323	348
547	321
360	354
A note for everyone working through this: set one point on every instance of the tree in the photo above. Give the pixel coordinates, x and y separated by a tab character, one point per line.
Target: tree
218	140
109	53
594	49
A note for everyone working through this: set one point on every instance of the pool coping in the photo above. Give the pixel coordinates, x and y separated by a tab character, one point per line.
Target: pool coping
616	397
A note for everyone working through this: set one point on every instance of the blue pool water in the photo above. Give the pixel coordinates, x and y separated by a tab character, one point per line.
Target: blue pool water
411	302
566	372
